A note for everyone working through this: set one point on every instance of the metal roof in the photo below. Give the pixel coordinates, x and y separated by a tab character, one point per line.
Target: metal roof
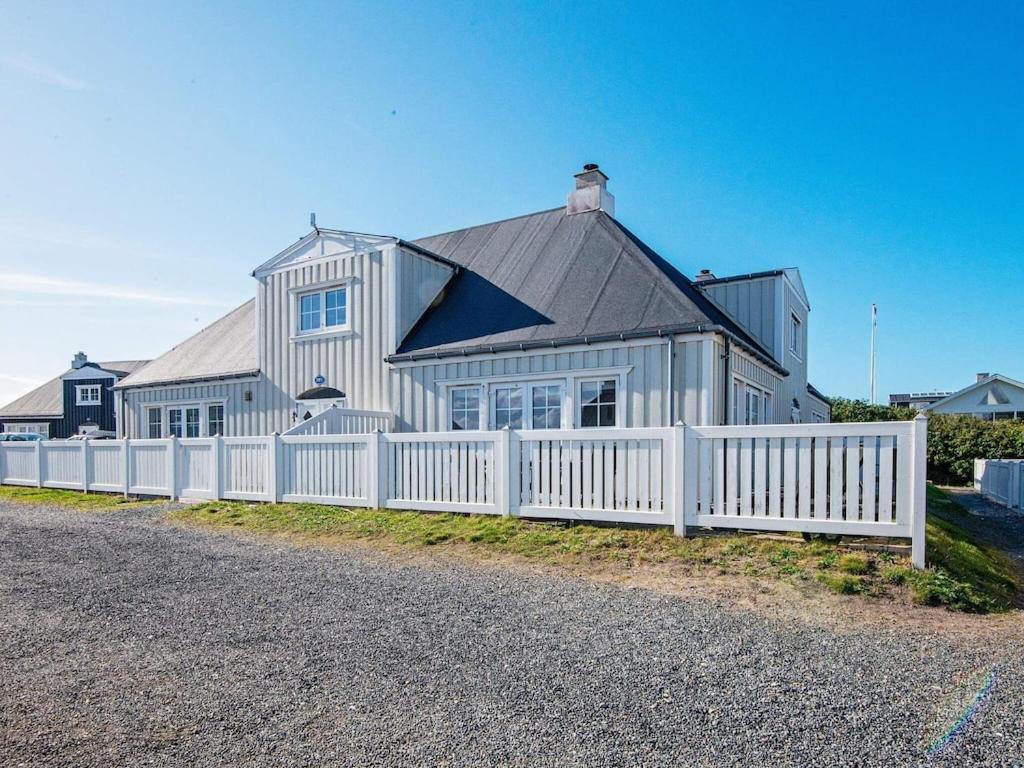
548	278
47	400
224	349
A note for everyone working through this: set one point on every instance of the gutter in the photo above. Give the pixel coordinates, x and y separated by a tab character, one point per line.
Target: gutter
192	380
593	339
727	384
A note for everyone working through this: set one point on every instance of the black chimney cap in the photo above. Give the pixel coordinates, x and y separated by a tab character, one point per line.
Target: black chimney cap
590	166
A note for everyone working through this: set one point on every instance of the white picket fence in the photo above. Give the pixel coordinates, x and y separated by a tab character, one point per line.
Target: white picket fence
852	479
1001	480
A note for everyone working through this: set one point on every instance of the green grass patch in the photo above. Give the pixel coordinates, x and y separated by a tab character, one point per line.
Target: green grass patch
91	502
965	576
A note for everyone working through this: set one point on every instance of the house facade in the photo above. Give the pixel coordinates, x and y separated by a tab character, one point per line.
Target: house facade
558	319
992	397
81	400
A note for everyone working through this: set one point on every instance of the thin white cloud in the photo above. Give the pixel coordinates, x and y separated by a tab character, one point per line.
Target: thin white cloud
47	74
20	380
45	285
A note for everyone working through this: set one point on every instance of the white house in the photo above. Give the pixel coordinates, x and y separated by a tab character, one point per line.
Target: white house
562	318
990	397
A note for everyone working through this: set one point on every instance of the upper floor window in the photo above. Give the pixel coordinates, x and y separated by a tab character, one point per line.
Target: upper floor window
87	394
598	400
796	338
325	310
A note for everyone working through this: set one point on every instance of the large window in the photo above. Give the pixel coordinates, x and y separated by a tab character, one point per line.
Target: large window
154	426
183	421
321	311
27	429
598	400
796	338
215	420
532	405
87	394
465	408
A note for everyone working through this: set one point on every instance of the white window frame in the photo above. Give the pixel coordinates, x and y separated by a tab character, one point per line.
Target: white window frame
526	390
148	423
297	294
481	406
165	422
81	390
796	336
620	400
22	428
742	390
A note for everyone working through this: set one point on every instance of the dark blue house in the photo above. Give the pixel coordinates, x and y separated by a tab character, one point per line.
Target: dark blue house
80	400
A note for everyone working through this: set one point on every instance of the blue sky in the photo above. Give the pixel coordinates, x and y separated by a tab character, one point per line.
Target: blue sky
151	157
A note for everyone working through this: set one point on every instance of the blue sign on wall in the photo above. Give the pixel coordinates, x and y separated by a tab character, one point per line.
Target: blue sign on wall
319	380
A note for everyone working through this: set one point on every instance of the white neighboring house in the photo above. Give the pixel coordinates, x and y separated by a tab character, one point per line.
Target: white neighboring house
991	397
558	319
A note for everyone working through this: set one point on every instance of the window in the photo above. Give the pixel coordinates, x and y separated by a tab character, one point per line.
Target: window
597	403
87	394
508	407
546	410
154	426
183	421
796	339
27	429
465	408
753	410
309	312
215	420
735	402
323	311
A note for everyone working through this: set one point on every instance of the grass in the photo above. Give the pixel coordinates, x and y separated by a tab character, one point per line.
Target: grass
966	575
89	502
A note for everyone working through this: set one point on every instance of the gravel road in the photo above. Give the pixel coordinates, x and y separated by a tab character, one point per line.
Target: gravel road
127	641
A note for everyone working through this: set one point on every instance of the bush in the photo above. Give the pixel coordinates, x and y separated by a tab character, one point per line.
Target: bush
954	441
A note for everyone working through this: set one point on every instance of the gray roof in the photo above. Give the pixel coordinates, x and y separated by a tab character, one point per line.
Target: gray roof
47	400
549	278
224	349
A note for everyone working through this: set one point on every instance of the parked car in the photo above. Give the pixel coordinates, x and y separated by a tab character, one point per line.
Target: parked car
20	437
97	435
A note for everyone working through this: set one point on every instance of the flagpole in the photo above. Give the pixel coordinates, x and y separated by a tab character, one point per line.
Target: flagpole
873	363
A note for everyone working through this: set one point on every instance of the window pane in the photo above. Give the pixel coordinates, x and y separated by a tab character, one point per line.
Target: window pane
588	416
608	391
336	307
309	312
589	391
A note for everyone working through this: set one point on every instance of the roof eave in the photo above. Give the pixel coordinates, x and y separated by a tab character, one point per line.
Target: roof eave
127	384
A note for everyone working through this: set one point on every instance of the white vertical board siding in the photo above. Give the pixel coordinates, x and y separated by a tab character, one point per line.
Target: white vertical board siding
419	389
106	465
18	463
454	472
419	280
602	474
147	467
241	417
752	303
61	463
246	468
841	478
325	470
195	468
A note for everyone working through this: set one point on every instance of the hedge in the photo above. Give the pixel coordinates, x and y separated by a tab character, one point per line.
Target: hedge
954	441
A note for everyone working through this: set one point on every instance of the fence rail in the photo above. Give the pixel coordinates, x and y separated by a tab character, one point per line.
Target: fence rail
1001	480
853	479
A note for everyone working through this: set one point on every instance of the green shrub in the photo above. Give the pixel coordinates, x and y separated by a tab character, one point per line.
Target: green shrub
842	583
856	565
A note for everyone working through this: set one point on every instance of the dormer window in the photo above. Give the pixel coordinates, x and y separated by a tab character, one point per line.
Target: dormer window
322	311
87	394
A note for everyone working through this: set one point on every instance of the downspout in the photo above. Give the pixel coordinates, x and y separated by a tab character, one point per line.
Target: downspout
670	354
727	381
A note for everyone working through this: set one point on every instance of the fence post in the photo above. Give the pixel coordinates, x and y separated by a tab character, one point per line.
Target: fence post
172	467
503	471
515	469
918	489
127	468
39	463
215	465
372	478
679	480
383	471
272	455
85	466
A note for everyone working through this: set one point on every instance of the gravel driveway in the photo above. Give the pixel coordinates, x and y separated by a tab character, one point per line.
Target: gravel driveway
127	641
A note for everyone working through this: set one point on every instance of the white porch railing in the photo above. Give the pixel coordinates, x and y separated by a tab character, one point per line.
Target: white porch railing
343	421
1001	480
854	479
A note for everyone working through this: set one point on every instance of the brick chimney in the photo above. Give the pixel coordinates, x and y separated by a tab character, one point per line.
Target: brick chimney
591	193
982	376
